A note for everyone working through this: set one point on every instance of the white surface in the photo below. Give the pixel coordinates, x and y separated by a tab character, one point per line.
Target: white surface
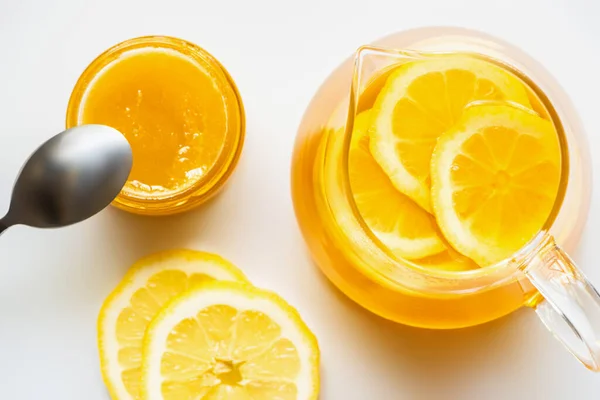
53	282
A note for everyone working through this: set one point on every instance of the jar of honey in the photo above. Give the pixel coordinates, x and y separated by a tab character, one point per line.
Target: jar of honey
180	111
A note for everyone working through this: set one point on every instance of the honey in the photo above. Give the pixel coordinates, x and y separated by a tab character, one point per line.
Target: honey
180	112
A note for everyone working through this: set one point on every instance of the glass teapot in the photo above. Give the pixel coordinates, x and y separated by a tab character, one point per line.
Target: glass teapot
539	275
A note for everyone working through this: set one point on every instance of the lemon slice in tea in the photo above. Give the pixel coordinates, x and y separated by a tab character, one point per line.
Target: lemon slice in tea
495	178
400	223
419	102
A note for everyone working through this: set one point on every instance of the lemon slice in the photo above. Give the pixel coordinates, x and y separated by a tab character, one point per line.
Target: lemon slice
419	102
495	178
149	284
447	260
227	341
404	227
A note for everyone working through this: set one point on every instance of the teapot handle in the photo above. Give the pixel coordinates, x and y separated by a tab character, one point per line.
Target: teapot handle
570	307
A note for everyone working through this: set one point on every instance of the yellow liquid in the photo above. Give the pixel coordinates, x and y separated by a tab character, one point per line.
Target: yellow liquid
171	112
340	263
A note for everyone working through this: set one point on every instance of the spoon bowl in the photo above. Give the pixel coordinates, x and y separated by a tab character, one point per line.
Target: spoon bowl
70	177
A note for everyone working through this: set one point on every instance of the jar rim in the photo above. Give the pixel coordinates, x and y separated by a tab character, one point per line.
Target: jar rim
231	148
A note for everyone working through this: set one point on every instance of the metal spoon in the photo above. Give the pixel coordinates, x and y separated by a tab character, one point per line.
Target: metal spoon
69	178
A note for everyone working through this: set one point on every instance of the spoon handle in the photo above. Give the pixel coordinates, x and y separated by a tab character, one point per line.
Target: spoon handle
4	225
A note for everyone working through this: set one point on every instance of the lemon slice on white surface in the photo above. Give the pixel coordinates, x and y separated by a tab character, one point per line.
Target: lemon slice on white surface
150	283
228	341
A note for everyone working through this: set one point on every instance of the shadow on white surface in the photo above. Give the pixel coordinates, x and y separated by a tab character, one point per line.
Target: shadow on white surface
438	364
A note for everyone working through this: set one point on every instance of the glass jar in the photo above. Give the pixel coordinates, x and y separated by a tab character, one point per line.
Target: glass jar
189	196
396	289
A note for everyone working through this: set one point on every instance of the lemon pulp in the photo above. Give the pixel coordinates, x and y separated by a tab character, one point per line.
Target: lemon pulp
172	111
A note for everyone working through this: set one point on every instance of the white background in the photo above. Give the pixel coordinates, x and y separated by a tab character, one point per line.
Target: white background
52	283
